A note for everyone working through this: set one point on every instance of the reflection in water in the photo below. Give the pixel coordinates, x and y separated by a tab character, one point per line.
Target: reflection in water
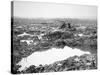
50	56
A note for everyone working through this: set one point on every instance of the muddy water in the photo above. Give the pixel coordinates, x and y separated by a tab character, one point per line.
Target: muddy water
50	56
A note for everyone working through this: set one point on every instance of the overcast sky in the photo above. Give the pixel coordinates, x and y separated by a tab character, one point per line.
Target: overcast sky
51	10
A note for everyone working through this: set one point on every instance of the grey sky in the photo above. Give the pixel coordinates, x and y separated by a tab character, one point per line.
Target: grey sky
29	9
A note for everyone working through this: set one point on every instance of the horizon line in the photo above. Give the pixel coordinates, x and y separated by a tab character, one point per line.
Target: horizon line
53	18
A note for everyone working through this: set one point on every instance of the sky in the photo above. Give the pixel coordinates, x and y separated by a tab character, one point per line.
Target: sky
28	9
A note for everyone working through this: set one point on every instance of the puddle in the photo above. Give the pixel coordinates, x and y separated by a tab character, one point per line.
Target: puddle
50	56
